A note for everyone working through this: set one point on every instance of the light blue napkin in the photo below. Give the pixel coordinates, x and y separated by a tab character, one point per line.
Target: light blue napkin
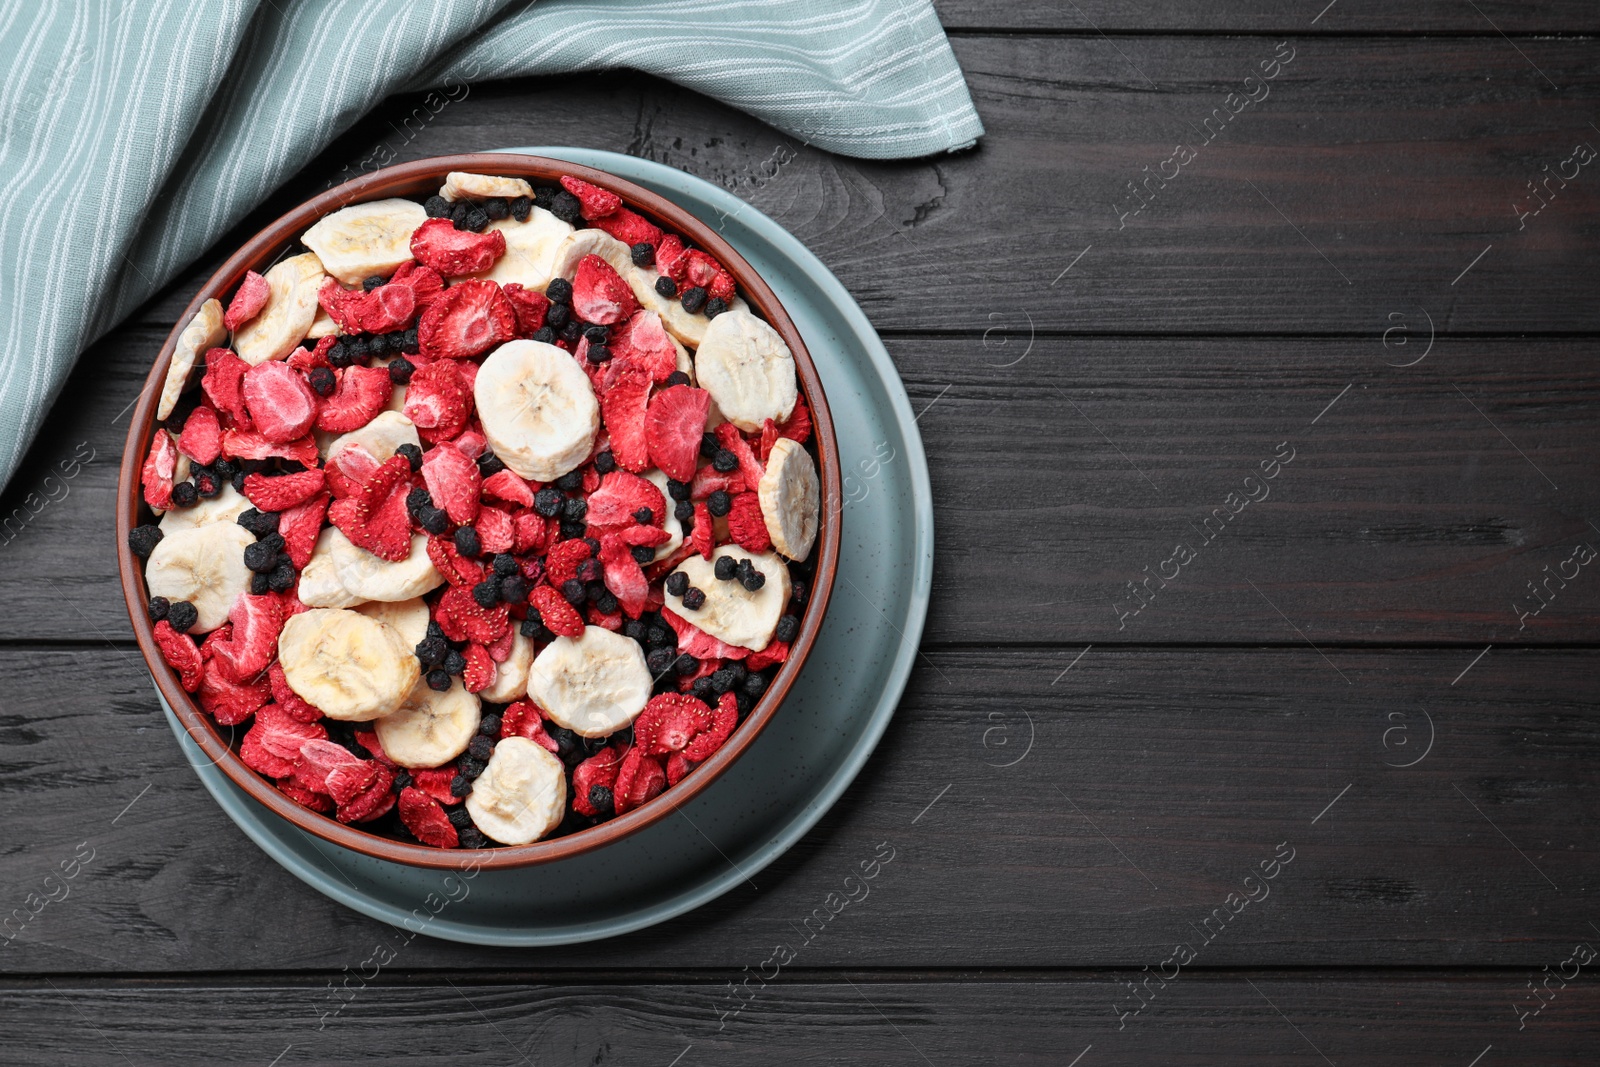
133	133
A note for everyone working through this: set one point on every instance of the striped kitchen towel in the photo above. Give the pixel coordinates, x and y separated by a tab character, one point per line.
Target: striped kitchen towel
133	133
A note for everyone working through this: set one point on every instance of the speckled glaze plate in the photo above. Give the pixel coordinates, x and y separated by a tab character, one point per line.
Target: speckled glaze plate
822	735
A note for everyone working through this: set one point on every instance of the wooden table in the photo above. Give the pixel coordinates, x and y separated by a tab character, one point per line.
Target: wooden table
1335	355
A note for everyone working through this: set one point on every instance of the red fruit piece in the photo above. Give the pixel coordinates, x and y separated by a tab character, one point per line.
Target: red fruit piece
159	466
697	643
524	719
282	736
599	769
734	442
775	652
436	783
462	619
288	699
669	250
281	404
560	617
300	526
496	530
797	427
480	672
230	702
623	575
678	768
669	722
468	320
452	252
201	439
374	797
595	617
700	536
500	651
307	361
531	307
425	819
724	717
722	287
181	655
456	568
424	282
623	407
530	532
599	293
375	518
643	341
769	437
673	426
696	268
305	797
318	760
629	227
639	779
594	202
639	536
284	491
339	303
223	384
506	486
247	303
438	400
708	480
746	525
619	496
453	481
382	310
254	641
562	562
362	393
248	444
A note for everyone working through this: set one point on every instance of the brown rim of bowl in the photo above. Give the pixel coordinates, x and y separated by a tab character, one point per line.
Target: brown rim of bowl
414	179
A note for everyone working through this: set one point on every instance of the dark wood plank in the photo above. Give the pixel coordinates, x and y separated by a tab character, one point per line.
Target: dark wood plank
1301	18
1405	515
1270	1018
1381	170
1039	816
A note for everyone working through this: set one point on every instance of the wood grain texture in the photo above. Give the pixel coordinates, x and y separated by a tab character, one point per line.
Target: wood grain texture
1270	16
1199	1019
1039	816
1407	515
1380	170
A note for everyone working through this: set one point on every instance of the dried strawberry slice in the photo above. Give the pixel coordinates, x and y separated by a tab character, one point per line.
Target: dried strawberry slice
318	760
722	287
452	252
181	655
256	621
436	783
481	669
669	251
438	400
287	699
339	303
524	719
201	439
750	467
376	518
255	754
673	426
561	562
307	361
663	567
746	525
248	444
669	722
560	617
362	393
496	530
228	701
531	530
468	320
385	309
697	643
639	779
594	202
797	427
284	491
456	568
623	575
724	717
300	526
223	384
629	227
708	480
643	341
678	768
700	536
599	293
281	404
453	482
424	282
305	797
599	769
697	268
425	819
619	496
159	466
463	619
769	437
530	306
247	303
373	800
283	735
500	651
508	487
643	536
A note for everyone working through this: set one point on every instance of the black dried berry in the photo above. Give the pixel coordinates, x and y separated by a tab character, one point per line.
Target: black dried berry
594	549
726	568
412	453
596	335
566	741
685	664
683	510
418	499
744	703
677	377
282	578
635	629
338	355
755	685
589	570
593	591
144	539
703	691
660	659
544	195
725	461
182	615
677	490
489	464
437	207
709	445
402	779
260	585
434	520
480	748
715	306
749	577
322	381
206	483
605	463
409	340
666	287
545	335
504	564
158	608
273	540
185	495
430	651
572	331
694	299
477	220
558	316
571	531
601	800
723	680
358	349
489	726
521	208
458	212
643	254
570	482
224	468
496	208
454	662
575	509
400	371
534	630
472	837
260	557
460	786
693	599
238	481
566	207
371	282
607	604
573	591
435	630
486	593
788	628
798	591
719	503
548	501
642	554
598	354
467	542
514	590
559	291
660	635
460	818
469	767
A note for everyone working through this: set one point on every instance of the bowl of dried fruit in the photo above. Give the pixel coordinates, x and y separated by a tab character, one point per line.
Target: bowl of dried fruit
485	503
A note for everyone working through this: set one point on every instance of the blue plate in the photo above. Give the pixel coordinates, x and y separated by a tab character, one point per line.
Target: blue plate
828	725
